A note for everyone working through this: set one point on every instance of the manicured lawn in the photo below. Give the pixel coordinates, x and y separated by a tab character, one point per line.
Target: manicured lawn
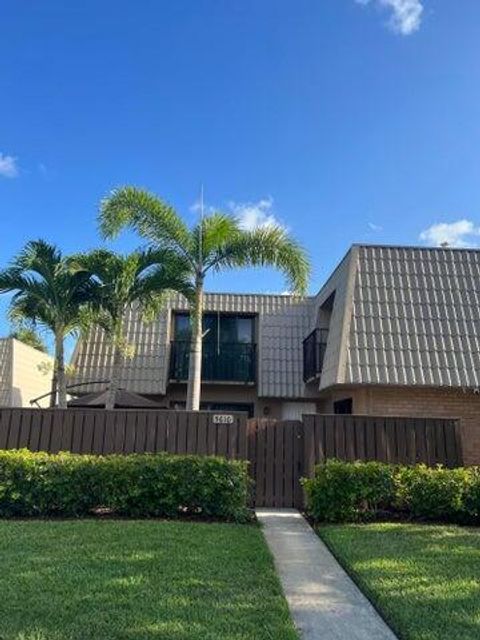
425	579
134	580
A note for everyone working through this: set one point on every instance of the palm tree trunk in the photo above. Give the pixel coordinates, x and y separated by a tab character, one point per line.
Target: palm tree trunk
60	371
195	362
115	376
53	388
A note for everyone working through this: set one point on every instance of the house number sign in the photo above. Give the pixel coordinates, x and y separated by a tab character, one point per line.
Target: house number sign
222	419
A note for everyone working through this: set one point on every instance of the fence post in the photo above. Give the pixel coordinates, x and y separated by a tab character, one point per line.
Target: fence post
457	427
308	422
300	462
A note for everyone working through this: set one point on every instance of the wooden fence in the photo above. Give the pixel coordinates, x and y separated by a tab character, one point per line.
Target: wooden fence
276	455
280	452
123	431
387	439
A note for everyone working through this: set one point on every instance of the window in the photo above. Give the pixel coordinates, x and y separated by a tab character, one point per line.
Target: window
343	406
182	327
314	348
223	328
315	344
229	350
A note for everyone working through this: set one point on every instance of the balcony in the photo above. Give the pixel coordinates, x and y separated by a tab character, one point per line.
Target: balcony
223	362
314	347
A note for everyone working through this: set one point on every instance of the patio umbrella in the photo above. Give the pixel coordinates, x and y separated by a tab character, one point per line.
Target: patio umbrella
123	400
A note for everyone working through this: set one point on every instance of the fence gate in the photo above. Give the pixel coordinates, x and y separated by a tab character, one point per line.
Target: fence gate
275	452
280	451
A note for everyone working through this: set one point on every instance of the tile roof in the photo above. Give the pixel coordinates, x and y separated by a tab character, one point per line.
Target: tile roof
413	317
401	315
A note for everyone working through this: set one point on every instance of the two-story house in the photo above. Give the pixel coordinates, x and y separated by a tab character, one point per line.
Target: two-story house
252	354
393	331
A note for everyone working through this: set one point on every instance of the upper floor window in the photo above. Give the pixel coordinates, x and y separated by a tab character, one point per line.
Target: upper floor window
315	344
229	350
314	347
218	328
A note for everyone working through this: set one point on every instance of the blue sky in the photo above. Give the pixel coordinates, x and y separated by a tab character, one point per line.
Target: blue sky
346	120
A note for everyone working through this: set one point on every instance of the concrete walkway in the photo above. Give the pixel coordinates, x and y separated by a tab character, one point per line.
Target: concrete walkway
324	602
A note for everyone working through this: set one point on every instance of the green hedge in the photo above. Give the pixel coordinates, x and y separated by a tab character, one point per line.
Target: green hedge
138	485
356	491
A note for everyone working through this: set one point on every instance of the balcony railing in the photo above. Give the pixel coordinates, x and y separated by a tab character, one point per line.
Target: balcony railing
227	361
314	347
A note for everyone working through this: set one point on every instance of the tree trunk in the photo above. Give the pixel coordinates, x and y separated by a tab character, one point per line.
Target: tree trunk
195	362
60	371
114	377
53	388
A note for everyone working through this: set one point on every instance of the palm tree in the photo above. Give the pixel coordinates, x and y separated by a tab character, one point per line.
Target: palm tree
29	335
47	292
216	243
138	280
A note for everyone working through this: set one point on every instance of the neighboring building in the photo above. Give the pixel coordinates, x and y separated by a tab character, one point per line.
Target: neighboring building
404	336
25	374
394	331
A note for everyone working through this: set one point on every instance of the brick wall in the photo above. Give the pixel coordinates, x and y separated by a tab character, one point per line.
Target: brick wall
418	402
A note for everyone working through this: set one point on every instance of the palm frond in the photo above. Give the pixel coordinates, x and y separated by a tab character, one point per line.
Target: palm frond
46	289
152	218
212	233
169	259
40	256
27	333
98	261
139	279
26	306
159	280
11	280
269	246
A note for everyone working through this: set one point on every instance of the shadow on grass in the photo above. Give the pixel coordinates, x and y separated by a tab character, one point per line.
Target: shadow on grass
423	578
138	580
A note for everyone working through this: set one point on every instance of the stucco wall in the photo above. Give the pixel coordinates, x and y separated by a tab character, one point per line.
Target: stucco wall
30	373
243	394
339	282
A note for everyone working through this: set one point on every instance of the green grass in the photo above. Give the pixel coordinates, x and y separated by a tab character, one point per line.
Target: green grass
135	580
425	579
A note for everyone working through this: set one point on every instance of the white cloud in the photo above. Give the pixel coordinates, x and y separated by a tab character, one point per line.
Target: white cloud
406	15
8	166
255	214
250	215
462	233
374	227
196	207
